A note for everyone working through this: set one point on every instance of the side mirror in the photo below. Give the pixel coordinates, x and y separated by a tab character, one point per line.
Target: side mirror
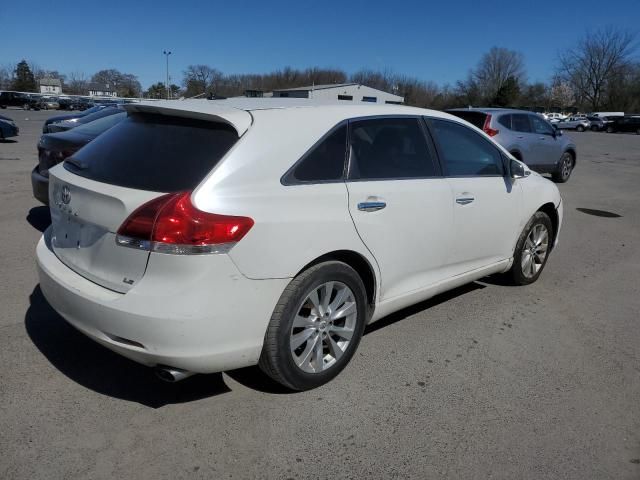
517	170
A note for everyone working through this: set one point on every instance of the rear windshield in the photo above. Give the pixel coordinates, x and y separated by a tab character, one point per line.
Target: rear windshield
154	152
475	118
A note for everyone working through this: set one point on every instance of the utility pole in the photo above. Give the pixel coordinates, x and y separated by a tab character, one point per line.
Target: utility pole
166	53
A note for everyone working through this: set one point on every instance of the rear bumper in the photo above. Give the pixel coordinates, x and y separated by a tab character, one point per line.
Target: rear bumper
183	317
40	186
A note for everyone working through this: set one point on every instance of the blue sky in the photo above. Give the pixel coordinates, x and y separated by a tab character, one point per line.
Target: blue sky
436	41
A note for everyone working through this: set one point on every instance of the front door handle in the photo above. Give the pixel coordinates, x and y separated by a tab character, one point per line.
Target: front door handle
371	206
464	200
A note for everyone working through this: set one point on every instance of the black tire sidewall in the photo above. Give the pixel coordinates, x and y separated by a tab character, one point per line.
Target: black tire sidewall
322	273
580	129
516	269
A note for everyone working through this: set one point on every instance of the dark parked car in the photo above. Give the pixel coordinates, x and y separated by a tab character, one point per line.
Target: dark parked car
8	128
18	99
628	123
53	148
70	116
73	123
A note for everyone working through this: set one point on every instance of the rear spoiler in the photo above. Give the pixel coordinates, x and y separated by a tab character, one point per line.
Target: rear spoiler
207	110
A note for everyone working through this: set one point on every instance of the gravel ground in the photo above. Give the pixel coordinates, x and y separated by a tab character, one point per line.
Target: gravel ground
487	381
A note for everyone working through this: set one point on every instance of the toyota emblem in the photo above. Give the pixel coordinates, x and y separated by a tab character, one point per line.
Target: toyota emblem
66	195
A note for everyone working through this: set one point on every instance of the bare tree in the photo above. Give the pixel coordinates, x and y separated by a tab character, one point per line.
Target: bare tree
199	79
77	83
496	68
598	57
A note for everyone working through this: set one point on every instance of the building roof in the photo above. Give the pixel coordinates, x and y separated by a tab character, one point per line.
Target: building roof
315	87
51	82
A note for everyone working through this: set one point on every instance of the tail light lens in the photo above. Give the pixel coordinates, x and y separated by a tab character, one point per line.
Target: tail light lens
172	224
492	132
49	158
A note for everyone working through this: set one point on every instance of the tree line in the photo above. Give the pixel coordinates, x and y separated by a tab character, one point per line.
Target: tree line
600	72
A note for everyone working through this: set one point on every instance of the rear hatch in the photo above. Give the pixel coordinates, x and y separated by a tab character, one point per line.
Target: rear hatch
97	188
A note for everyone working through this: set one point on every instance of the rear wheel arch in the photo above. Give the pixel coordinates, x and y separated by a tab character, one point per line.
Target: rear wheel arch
516	154
356	261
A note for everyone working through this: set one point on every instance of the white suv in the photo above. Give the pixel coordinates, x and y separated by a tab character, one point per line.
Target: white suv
201	236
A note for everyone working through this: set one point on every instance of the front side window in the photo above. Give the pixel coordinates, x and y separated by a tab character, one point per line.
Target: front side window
324	162
540	126
520	123
389	148
464	152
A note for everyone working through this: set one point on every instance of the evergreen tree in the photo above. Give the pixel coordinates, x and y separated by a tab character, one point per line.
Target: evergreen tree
24	80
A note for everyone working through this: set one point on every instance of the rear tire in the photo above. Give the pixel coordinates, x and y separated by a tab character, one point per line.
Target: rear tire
610	130
532	250
565	167
580	128
316	326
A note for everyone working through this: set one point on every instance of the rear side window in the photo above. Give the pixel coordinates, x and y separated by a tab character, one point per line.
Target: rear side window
389	148
505	121
154	152
464	152
476	119
324	162
520	123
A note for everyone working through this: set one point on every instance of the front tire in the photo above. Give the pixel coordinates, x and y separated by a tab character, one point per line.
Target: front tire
532	250
610	130
316	326
580	128
565	168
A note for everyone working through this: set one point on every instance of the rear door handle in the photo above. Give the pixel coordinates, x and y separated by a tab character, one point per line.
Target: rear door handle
371	206
464	200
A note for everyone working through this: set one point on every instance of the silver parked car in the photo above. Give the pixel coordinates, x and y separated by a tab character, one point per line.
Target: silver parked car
527	136
578	123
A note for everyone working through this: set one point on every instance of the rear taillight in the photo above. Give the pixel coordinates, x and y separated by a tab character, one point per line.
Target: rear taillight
171	224
492	132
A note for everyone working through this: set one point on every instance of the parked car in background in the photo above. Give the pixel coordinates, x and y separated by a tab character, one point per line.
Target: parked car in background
574	123
65	103
528	137
607	114
597	124
628	123
8	128
73	123
70	117
53	148
49	103
18	99
555	117
165	278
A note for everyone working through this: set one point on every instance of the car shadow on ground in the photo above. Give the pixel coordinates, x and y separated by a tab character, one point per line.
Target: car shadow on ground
7	140
39	218
99	369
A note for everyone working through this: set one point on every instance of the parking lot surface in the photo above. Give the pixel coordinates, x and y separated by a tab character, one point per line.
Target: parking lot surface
487	381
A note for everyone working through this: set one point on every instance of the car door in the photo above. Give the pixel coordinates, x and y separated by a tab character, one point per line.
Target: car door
521	126
486	203
548	145
400	204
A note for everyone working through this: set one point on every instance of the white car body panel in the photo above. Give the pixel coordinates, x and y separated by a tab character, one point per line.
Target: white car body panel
206	313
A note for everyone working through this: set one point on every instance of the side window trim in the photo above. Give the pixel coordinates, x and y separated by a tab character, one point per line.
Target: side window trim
427	137
440	157
288	178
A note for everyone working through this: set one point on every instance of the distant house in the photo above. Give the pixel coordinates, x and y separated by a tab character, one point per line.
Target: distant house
341	91
102	90
50	86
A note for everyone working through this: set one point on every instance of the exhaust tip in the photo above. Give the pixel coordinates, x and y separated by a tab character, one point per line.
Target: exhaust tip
171	375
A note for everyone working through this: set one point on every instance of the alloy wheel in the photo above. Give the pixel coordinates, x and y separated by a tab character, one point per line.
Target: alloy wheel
565	169
535	250
323	327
